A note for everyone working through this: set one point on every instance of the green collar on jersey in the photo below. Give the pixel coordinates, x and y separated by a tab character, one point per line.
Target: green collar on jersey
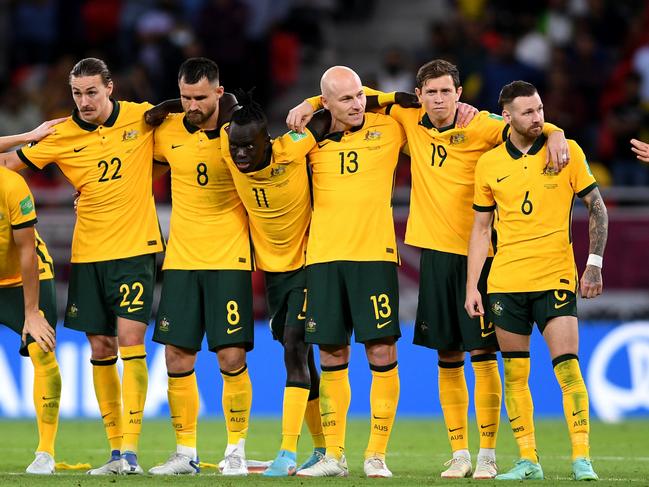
337	136
211	134
110	121
425	121
517	154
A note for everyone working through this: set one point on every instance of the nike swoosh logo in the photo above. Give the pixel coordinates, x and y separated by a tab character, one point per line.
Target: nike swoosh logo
80	148
383	325
132	310
174	417
238	410
557	306
134	412
502	179
576	413
380	417
322	144
514	419
483	426
327	414
176	146
528	473
234	330
455	429
488	333
301	317
56	397
104	415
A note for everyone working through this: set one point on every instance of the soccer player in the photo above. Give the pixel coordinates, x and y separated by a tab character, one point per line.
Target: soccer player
272	181
207	284
641	149
105	150
352	267
443	156
533	276
28	296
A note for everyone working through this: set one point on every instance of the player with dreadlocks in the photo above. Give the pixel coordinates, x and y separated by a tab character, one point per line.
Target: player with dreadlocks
272	181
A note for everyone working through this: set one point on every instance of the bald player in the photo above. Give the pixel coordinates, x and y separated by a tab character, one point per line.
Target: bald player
352	267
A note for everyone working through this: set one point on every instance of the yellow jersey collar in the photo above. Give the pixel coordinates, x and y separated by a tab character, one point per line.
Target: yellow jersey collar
517	154
110	121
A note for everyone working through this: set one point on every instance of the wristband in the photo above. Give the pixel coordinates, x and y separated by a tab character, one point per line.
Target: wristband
596	260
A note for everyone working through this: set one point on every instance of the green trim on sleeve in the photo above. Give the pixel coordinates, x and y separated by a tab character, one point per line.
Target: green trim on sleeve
26	160
587	190
30	223
484	208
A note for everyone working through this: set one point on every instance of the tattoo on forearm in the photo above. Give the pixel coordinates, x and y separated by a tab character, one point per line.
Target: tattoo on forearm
597	224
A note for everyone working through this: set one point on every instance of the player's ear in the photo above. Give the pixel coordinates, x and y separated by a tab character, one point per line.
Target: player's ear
507	116
459	93
219	91
109	88
324	102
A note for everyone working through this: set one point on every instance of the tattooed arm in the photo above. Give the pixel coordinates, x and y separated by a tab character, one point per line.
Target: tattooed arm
591	281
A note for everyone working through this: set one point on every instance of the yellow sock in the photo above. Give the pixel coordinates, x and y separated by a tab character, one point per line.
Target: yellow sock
454	399
236	401
135	382
575	403
335	397
518	401
487	396
314	422
47	396
295	400
183	407
384	397
108	391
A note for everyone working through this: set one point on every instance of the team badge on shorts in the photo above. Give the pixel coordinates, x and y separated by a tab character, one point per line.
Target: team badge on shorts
73	311
497	308
310	325
164	324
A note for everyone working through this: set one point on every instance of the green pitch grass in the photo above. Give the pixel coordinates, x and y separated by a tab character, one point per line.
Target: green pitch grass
418	449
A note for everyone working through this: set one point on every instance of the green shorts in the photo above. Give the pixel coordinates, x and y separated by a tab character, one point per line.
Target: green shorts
216	303
12	309
442	323
100	292
286	295
346	296
517	312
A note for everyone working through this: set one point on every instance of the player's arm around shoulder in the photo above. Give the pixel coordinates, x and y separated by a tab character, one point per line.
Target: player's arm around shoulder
12	160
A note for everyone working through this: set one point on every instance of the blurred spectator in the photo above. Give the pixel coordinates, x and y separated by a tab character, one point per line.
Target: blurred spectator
396	73
35	31
628	120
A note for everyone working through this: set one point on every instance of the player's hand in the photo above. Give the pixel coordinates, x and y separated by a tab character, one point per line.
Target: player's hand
406	100
465	114
641	149
473	303
45	129
299	116
558	154
40	330
591	284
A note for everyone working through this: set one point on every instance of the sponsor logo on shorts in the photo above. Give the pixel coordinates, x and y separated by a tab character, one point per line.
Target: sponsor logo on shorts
234	330
383	325
73	311
164	324
557	305
301	316
486	334
134	309
310	326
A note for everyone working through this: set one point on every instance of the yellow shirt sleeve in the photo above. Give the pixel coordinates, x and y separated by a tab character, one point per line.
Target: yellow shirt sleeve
22	212
293	146
581	177
483	198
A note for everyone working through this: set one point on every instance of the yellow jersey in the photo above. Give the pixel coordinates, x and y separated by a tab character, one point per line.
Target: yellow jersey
209	226
533	216
353	177
278	201
442	166
17	211
110	165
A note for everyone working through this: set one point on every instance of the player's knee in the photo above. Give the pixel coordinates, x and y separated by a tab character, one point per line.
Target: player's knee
231	358
381	352
179	360
40	359
102	346
450	356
